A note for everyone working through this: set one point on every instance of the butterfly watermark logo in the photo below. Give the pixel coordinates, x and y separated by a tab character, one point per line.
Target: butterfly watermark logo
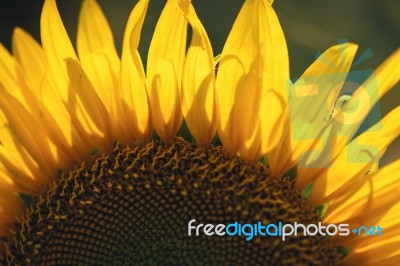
331	101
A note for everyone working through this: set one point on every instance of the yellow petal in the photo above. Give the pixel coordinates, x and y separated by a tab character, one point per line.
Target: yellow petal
25	164
10	76
87	111
98	57
386	215
44	100
13	88
33	90
251	82
56	45
135	119
95	35
30	57
371	192
353	162
281	158
198	81
65	134
29	132
13	81
164	69
386	76
18	171
386	254
10	208
22	117
377	250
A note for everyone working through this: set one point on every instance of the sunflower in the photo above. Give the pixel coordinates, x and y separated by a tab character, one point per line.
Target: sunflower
94	169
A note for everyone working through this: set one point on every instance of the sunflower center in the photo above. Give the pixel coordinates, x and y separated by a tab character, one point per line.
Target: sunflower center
133	207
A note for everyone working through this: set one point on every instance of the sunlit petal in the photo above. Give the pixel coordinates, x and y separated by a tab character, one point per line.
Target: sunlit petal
135	119
73	87
251	82
198	81
99	58
164	70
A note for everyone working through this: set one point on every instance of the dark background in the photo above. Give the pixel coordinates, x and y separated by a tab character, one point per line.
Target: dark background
309	25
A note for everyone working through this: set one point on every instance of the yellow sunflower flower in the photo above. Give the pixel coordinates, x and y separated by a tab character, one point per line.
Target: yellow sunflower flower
84	182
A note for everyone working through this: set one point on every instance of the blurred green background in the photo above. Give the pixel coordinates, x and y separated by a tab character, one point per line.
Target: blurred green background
309	25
